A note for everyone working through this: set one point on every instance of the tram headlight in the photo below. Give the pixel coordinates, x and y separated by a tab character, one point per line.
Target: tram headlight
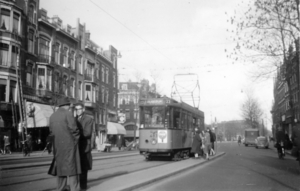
153	141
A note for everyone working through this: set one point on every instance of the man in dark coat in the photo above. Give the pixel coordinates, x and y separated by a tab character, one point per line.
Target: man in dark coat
85	124
212	139
66	162
197	143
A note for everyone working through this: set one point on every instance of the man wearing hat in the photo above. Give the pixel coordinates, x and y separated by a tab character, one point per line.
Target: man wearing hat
85	124
66	161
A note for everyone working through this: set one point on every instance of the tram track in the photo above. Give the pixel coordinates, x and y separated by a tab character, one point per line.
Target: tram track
102	170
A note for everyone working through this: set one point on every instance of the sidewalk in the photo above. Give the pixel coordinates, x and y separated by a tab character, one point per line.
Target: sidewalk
144	177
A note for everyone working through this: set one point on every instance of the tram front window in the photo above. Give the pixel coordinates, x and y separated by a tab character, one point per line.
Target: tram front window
152	117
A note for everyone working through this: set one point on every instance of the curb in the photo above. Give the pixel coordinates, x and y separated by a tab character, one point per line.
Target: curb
130	181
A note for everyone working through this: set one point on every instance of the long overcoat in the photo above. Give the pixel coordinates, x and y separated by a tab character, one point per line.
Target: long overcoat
196	145
66	135
85	125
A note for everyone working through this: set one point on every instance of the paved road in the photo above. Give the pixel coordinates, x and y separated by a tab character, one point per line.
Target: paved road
242	168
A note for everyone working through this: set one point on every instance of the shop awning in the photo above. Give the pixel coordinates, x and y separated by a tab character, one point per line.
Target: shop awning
115	129
40	114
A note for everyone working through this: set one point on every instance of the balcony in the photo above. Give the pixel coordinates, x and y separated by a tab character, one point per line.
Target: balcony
89	77
45	58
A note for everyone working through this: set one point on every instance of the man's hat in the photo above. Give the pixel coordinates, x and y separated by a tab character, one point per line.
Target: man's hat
79	103
63	101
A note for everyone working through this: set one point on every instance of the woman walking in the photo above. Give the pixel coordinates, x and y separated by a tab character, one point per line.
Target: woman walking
196	145
207	144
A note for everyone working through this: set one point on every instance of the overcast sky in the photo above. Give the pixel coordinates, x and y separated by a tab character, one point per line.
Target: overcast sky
163	38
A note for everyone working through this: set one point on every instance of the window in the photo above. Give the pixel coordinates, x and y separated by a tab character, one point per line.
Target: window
16	23
5	19
57	53
65	81
94	93
72	87
44	78
56	82
107	95
114	79
89	71
72	60
103	94
65	61
32	14
88	93
4	53
80	64
29	74
152	116
3	89
30	41
80	90
41	81
14	55
100	117
124	87
107	77
12	90
97	93
102	73
127	113
44	49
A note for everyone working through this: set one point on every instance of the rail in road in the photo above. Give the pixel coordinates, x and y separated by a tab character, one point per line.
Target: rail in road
34	176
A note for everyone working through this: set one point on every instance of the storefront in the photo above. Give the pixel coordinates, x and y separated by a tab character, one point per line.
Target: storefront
115	134
38	123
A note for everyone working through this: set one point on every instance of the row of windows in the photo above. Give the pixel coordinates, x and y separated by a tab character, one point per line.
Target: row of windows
67	58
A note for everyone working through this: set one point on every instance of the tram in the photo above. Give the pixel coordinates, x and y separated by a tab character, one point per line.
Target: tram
167	127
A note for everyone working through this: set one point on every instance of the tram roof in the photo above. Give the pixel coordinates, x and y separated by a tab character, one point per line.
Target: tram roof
163	101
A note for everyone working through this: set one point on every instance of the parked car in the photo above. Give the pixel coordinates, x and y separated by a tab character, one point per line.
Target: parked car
262	142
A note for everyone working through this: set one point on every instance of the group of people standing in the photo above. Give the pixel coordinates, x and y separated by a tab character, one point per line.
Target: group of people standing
203	143
72	145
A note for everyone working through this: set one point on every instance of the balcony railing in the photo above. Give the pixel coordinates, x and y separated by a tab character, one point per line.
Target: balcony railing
89	77
44	58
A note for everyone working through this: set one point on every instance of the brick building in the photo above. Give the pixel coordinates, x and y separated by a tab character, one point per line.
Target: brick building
56	60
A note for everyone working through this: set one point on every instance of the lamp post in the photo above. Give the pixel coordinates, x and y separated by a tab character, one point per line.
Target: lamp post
137	96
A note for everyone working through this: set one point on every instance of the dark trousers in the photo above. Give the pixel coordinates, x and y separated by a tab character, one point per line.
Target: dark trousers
213	145
73	181
83	179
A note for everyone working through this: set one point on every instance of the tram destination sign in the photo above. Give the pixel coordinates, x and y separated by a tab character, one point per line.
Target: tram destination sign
154	102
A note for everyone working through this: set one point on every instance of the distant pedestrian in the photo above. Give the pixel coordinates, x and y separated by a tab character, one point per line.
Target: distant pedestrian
212	140
196	145
6	144
29	143
207	144
49	141
85	124
66	161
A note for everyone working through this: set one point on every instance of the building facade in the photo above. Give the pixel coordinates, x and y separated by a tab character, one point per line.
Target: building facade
55	60
285	110
130	93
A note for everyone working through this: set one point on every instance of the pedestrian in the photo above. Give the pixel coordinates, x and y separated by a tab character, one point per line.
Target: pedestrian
66	160
85	124
6	144
49	144
212	140
207	144
2	145
296	141
196	145
29	143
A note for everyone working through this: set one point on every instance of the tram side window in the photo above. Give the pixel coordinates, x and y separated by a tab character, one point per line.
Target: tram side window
183	120
176	118
194	123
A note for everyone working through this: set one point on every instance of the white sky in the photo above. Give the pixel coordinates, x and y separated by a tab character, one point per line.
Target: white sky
169	37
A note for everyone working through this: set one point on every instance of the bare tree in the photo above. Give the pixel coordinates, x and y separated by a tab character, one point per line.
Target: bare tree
264	33
251	111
